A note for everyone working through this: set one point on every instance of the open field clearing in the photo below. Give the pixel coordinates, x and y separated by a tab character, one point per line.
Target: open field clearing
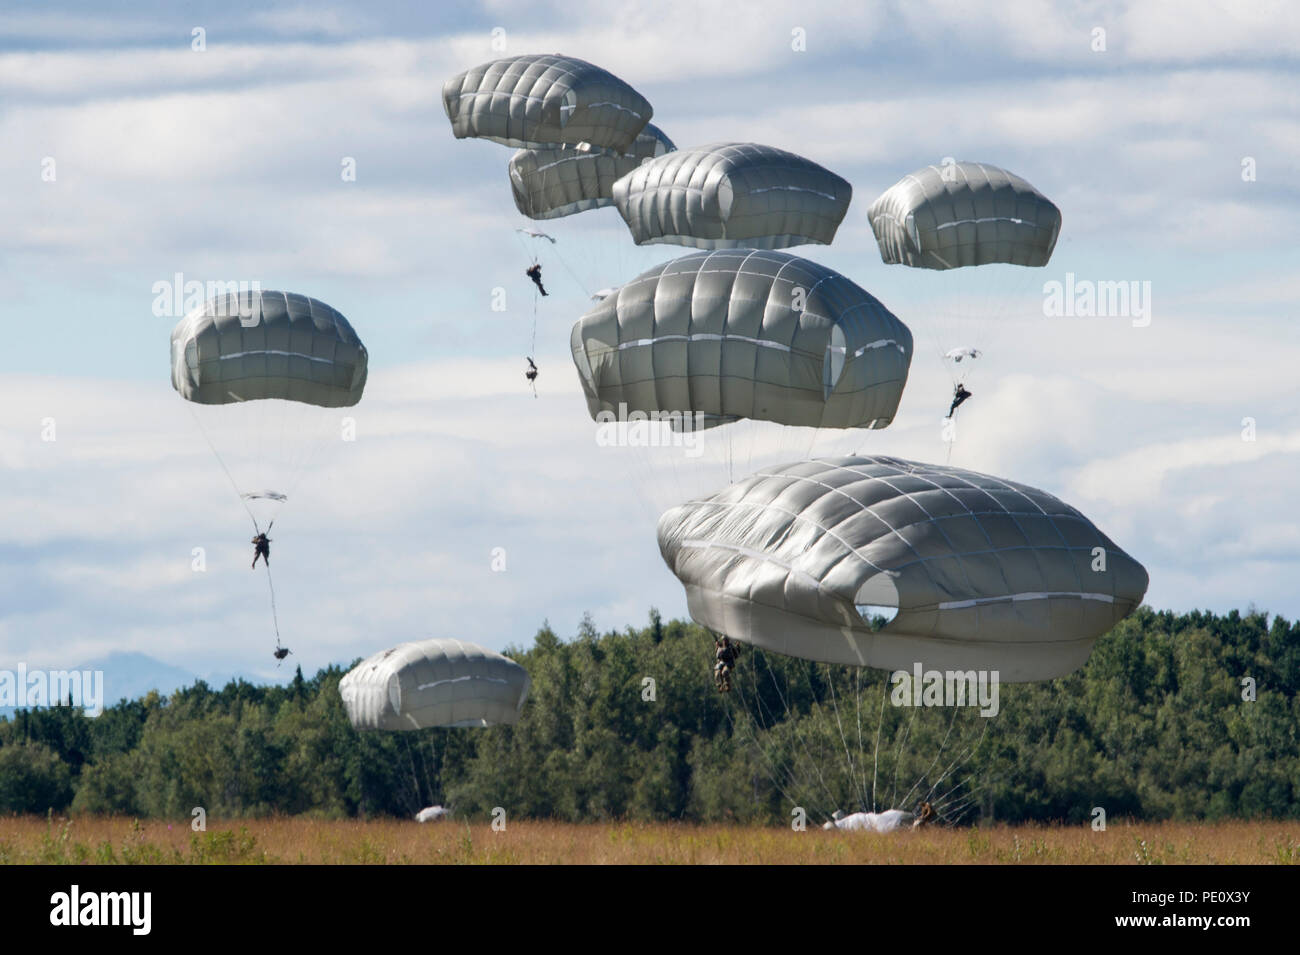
87	839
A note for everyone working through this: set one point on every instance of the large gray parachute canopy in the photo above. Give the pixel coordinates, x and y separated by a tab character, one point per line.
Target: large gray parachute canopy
434	683
243	346
549	183
545	101
744	334
961	214
732	195
985	574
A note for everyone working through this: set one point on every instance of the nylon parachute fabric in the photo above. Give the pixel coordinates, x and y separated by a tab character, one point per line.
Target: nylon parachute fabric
547	101
441	682
984	573
732	195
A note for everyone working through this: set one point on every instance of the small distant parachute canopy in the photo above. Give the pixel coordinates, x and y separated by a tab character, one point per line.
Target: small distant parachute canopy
732	195
984	574
433	814
434	683
963	214
744	334
536	234
263	344
264	496
546	101
961	354
549	183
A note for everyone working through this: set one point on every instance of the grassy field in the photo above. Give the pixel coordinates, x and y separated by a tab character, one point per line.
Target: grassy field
88	839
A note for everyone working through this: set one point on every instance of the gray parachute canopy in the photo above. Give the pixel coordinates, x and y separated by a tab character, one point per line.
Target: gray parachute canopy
434	683
549	183
985	573
961	214
545	101
732	195
744	334
264	344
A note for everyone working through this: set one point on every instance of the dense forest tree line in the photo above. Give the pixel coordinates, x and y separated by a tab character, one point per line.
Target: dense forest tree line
629	725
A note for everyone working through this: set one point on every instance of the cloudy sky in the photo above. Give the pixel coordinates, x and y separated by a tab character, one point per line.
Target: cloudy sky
128	156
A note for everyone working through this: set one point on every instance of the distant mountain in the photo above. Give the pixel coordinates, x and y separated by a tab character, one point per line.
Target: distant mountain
130	676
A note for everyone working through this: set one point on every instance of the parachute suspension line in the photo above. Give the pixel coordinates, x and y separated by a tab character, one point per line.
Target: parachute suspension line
898	752
574	275
771	768
957	761
415	777
532	348
790	772
435	789
790	716
316	425
933	762
274	616
857	705
953	806
848	757
875	756
238	493
773	772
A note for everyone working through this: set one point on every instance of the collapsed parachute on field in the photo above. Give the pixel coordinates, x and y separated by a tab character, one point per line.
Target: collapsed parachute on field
263	344
964	214
545	101
440	682
744	334
985	574
549	183
732	195
891	820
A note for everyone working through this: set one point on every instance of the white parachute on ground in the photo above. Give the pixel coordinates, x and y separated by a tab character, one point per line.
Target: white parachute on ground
550	183
441	682
732	195
981	573
545	101
891	820
433	814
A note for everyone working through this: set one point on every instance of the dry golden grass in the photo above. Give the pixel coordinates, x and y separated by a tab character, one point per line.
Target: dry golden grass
296	840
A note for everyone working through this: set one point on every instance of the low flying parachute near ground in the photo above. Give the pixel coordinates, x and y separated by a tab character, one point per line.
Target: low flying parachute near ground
732	195
549	183
545	101
744	334
431	683
963	214
984	573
